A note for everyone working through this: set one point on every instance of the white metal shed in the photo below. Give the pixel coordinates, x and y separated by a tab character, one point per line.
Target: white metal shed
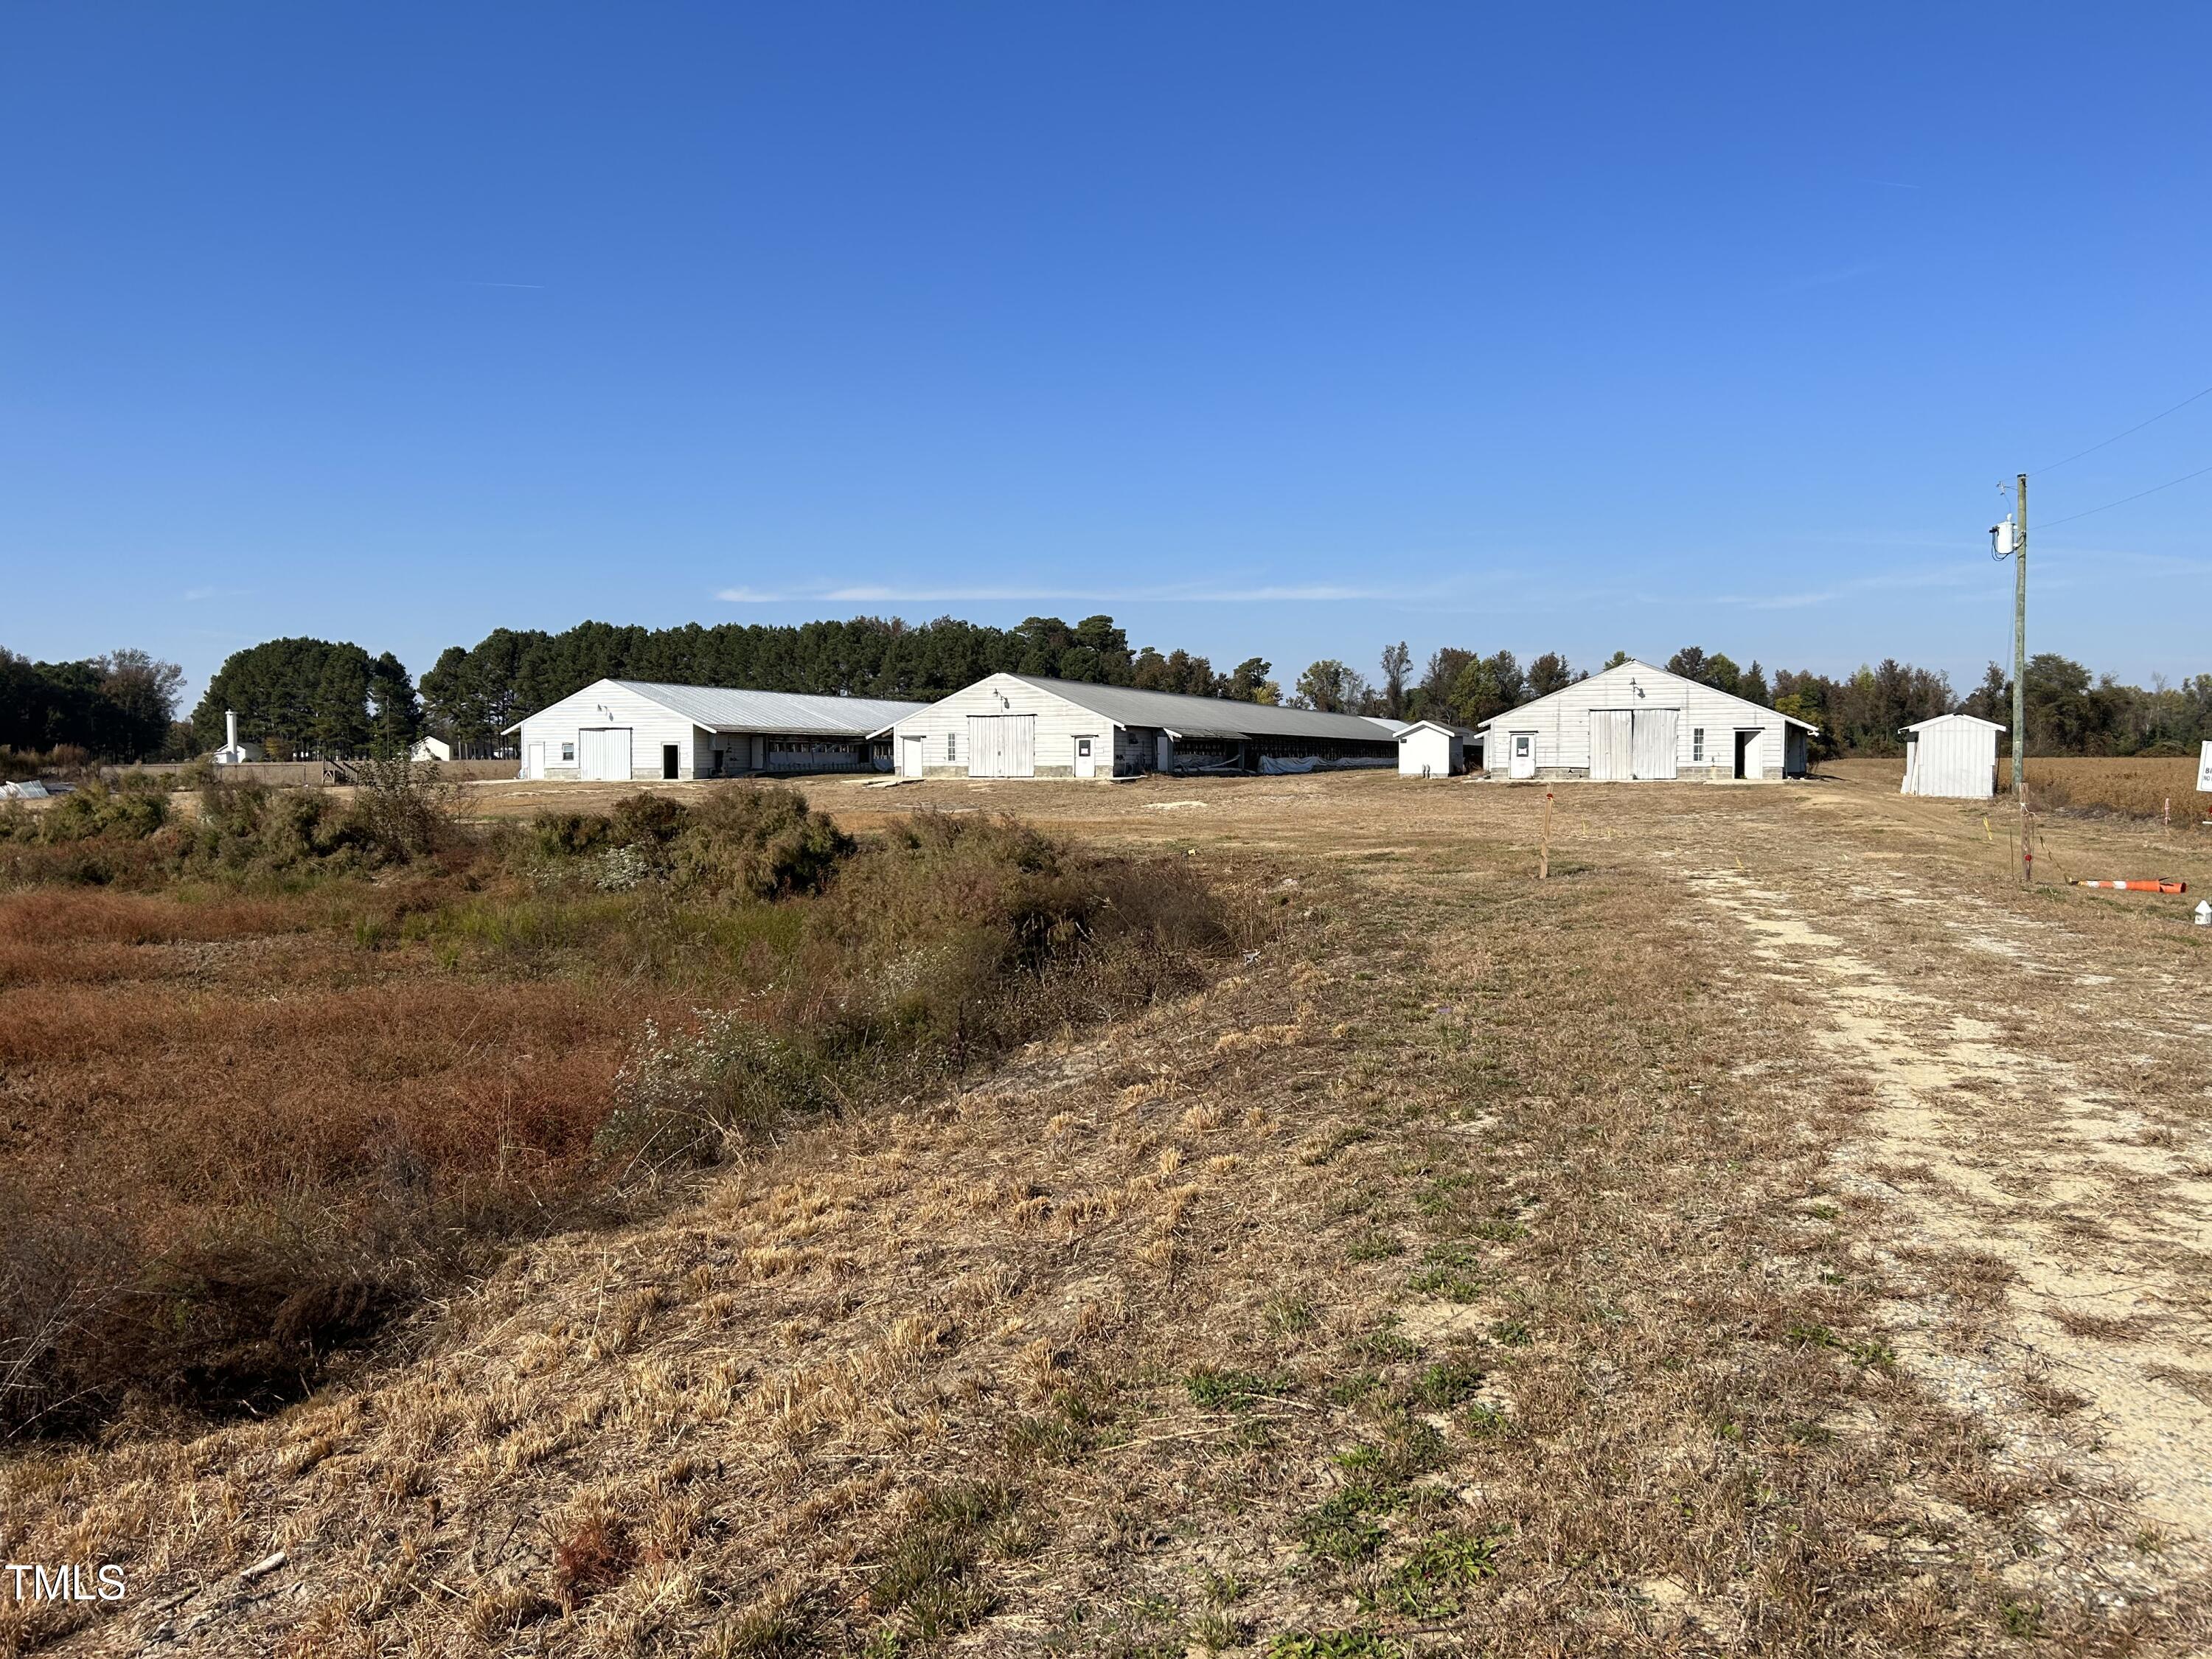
1430	749
1953	756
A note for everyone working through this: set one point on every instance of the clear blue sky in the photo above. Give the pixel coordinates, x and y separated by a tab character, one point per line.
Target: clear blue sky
1283	329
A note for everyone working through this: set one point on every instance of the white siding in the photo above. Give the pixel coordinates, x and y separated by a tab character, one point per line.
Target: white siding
1425	751
1059	723
1562	722
1955	756
608	704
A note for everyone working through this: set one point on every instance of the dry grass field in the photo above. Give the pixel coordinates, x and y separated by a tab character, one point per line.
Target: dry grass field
1776	1233
2134	788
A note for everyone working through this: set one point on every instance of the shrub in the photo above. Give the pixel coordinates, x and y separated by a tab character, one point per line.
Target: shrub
987	930
569	834
131	813
403	810
756	844
685	1096
646	818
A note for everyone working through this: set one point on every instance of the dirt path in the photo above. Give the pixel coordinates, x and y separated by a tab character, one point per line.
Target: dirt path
1991	1160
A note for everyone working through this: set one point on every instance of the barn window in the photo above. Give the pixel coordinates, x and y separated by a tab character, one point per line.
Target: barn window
1697	743
569	753
949	754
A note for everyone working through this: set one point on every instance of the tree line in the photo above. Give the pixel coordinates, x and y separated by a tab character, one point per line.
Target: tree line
120	707
473	692
308	698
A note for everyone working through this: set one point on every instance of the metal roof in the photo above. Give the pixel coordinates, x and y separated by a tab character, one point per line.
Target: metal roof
723	708
1440	726
1920	726
1638	662
1210	717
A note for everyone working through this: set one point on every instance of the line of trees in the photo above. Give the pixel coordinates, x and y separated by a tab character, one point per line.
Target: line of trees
311	699
121	706
1459	687
473	692
308	698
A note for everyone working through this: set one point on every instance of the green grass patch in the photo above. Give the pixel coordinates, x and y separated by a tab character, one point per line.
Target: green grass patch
1434	1583
1344	1529
1215	1391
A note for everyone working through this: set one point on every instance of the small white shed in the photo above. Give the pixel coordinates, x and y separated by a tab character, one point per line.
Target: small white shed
1430	749
1953	755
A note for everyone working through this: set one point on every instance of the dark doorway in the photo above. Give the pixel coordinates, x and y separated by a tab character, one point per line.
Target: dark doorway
1743	742
668	760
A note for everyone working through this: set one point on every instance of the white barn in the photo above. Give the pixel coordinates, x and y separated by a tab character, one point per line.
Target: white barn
1953	755
622	730
1635	723
1023	726
1430	749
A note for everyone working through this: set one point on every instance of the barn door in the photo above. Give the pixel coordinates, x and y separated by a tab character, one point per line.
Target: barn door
910	757
987	746
1018	750
1652	744
1746	754
1609	745
603	753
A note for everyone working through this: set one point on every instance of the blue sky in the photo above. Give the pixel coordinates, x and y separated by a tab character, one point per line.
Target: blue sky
1280	330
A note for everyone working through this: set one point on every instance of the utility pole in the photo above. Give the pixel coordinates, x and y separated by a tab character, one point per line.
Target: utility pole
2020	651
2009	541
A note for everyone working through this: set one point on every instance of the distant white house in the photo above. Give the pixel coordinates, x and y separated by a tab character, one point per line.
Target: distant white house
427	748
631	729
1953	756
1023	725
1430	749
1635	723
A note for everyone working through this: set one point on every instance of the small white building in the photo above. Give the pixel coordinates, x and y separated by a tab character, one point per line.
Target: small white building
232	752
1023	725
1635	723
1430	749
621	730
1953	755
428	748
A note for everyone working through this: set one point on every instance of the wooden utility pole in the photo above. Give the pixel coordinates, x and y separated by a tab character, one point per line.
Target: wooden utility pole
2020	686
2020	646
2009	541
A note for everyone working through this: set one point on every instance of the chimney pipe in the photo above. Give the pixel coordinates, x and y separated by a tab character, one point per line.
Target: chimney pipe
230	731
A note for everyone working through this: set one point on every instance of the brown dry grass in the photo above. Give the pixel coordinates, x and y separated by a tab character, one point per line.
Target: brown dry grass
1471	1269
241	1126
2135	787
2146	788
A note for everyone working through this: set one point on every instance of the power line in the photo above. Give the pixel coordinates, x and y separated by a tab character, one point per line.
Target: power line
2130	432
2137	496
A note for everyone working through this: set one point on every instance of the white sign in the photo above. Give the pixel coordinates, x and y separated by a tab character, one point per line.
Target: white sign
2205	768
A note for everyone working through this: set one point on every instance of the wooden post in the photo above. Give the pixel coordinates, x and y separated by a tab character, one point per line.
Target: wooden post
1543	853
